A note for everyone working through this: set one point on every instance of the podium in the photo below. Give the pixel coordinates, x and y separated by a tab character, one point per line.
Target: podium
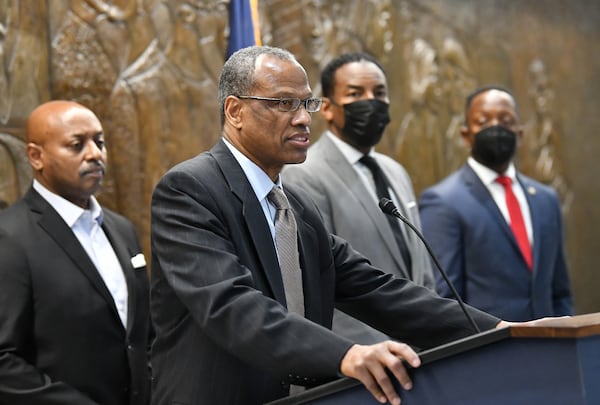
555	361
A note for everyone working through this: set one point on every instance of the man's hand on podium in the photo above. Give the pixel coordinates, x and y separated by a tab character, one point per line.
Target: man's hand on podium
369	365
548	321
505	324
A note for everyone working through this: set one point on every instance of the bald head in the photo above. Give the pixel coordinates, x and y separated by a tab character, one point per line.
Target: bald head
66	150
48	117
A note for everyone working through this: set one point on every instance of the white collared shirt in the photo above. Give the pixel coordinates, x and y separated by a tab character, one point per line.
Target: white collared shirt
488	177
87	227
260	182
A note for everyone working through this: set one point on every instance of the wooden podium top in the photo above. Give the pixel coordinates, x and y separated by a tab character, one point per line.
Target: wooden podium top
556	328
564	327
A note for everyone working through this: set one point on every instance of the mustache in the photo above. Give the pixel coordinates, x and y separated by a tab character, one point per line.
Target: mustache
93	166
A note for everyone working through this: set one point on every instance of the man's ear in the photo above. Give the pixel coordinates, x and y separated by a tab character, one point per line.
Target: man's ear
325	110
466	138
233	111
519	133
34	155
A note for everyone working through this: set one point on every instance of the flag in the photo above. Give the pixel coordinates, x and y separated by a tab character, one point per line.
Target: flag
243	25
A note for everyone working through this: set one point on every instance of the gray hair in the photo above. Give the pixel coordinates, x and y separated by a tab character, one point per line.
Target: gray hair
237	76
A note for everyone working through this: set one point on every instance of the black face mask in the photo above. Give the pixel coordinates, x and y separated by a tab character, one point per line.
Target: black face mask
365	121
494	146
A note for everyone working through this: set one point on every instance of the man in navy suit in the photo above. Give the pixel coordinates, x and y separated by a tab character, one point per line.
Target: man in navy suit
74	320
498	233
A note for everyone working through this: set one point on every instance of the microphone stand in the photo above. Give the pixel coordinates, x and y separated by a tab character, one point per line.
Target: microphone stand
388	207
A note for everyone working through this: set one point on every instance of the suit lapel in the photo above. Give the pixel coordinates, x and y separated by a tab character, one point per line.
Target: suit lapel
346	172
120	246
252	212
58	230
482	194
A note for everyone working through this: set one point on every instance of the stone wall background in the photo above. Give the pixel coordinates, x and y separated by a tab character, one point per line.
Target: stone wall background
149	69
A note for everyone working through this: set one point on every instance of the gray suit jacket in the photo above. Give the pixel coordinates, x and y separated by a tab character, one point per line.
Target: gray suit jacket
350	211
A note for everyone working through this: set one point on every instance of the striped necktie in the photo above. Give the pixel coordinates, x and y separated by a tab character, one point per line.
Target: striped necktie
286	240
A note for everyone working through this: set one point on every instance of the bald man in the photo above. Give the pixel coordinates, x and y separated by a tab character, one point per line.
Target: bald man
74	320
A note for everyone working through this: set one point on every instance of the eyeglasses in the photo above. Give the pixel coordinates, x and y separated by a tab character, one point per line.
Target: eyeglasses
312	104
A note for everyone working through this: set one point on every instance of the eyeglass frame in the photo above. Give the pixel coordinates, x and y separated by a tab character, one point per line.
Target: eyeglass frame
293	99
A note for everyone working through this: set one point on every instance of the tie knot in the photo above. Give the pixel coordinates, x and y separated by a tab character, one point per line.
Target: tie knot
369	162
504	180
278	198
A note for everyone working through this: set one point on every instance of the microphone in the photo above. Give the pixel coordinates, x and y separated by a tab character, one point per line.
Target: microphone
388	207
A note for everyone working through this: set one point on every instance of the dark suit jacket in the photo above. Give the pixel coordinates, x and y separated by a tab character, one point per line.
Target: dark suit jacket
61	338
476	246
223	334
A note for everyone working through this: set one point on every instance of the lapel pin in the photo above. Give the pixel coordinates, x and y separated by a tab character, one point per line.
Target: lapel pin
531	190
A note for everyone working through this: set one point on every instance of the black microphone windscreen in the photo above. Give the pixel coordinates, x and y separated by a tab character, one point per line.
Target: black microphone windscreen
387	205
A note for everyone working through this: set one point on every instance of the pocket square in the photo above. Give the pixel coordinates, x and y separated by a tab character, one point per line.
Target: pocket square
138	261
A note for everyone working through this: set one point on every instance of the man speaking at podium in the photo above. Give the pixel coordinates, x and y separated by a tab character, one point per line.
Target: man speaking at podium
245	275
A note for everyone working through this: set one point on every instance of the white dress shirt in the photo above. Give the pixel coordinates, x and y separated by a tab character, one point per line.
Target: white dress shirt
260	182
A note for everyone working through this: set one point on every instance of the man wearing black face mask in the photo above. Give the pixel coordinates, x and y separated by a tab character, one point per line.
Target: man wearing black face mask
346	178
497	232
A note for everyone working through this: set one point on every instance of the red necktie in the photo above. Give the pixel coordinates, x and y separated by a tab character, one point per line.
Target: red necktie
516	220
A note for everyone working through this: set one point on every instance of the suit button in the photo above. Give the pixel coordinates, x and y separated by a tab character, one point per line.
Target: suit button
129	347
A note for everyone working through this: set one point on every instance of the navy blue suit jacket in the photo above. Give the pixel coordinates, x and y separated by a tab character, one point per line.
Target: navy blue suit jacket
476	246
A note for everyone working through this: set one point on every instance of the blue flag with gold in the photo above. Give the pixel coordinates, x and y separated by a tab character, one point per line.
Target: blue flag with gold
243	25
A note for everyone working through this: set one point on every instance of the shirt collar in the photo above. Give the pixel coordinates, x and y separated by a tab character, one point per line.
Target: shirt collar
487	175
68	211
351	154
260	182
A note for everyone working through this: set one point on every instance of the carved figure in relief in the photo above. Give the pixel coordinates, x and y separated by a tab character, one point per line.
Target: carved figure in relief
457	80
4	91
9	189
15	172
542	153
419	144
23	60
167	92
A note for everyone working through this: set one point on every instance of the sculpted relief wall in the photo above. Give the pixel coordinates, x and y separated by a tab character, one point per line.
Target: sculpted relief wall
149	69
